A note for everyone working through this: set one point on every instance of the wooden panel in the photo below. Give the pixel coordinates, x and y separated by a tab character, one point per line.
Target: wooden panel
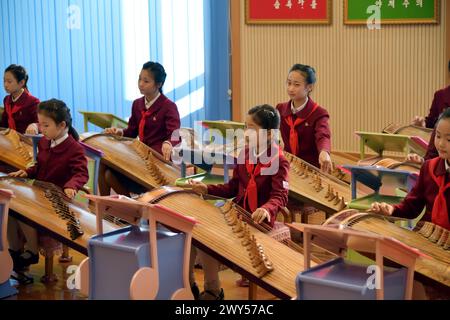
366	78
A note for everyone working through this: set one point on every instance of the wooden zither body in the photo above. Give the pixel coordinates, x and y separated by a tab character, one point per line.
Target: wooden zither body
432	241
134	159
397	165
392	164
413	131
15	149
242	246
45	207
308	184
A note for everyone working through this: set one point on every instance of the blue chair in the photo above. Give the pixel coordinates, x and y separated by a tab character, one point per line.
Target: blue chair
96	155
135	262
340	279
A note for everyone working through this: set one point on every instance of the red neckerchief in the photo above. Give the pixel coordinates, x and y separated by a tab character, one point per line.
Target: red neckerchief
251	192
144	115
293	136
10	111
439	215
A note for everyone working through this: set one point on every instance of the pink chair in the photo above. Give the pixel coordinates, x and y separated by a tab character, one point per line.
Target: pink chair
6	263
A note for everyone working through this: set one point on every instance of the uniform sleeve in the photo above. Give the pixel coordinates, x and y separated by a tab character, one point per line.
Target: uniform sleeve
173	123
279	191
4	120
411	207
228	190
78	170
132	131
433	115
431	151
323	134
32	171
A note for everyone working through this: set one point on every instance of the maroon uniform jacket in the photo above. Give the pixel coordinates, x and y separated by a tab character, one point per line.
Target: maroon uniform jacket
162	121
64	165
272	189
24	111
314	134
423	194
431	151
440	102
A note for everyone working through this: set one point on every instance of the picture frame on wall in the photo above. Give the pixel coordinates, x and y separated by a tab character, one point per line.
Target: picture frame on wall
288	12
357	12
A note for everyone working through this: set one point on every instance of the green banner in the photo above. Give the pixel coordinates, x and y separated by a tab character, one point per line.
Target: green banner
393	11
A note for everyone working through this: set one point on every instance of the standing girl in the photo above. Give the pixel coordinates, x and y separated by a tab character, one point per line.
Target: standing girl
304	124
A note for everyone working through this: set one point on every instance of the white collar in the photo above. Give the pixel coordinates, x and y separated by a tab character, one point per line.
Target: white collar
257	156
57	142
14	100
447	166
149	104
296	110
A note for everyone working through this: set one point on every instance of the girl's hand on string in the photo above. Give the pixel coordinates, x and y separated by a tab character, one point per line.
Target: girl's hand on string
382	208
114	131
418	121
19	174
326	165
415	158
198	187
260	215
70	193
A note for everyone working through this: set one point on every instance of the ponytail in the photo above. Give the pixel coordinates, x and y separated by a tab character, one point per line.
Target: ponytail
74	133
58	111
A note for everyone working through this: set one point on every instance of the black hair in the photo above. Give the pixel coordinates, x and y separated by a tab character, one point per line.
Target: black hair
158	72
58	111
444	115
19	73
308	72
266	116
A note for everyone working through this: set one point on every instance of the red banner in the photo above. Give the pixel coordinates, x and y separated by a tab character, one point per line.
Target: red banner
288	11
